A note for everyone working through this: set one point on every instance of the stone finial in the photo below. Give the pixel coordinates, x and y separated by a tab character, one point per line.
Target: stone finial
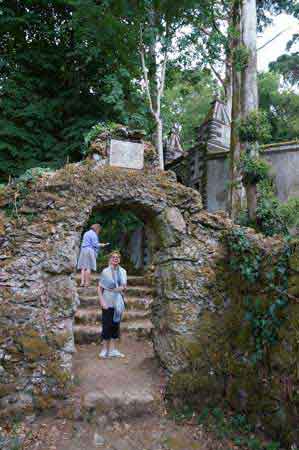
173	148
216	129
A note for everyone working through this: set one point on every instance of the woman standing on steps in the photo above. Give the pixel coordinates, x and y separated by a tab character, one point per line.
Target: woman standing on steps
112	284
88	253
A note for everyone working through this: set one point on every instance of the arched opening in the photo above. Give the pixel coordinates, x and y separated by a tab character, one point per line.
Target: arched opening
127	231
132	230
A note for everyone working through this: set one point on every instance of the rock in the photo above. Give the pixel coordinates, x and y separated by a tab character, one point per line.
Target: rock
62	258
171	227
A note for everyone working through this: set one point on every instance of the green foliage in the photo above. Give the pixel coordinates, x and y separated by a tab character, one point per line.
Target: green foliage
269	219
287	65
254	128
254	169
281	104
117	226
187	101
240	57
22	187
95	130
65	64
32	175
289	212
229	427
265	315
273	216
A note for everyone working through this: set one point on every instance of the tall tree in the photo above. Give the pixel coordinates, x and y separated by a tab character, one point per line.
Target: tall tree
159	24
64	66
245	97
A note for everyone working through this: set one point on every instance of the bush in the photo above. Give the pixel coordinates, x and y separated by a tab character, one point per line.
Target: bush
254	128
273	216
254	169
241	57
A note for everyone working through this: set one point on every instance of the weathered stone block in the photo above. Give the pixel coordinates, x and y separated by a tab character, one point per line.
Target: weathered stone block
63	256
62	295
171	227
33	345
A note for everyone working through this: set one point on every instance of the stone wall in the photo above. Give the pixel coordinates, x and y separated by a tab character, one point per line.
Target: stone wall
284	158
40	233
246	354
210	173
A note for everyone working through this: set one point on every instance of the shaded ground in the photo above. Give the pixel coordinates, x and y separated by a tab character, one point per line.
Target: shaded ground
117	404
118	387
152	433
119	407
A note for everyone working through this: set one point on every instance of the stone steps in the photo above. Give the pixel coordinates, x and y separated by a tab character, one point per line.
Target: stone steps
94	315
131	302
116	388
136	319
133	280
87	334
131	291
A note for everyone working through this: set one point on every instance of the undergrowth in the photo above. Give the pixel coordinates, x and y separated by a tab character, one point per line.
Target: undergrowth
233	428
265	317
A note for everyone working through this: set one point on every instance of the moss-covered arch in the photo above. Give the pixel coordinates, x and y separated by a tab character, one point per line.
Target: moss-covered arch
39	295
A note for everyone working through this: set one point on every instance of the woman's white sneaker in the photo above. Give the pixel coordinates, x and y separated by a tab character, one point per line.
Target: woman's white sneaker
116	354
103	354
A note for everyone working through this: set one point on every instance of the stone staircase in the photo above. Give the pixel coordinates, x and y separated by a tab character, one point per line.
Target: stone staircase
136	319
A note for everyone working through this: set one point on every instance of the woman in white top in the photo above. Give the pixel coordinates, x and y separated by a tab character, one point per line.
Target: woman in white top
112	284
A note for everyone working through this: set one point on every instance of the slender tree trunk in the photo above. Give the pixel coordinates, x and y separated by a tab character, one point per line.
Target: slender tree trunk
159	141
155	95
249	92
245	99
235	190
249	96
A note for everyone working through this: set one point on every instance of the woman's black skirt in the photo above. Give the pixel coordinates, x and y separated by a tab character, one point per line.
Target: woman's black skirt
110	329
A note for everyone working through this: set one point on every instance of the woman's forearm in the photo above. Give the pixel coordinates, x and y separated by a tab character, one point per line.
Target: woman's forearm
101	298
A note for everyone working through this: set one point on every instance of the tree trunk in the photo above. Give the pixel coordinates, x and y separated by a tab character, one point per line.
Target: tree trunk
249	92
159	141
245	95
249	96
235	188
251	194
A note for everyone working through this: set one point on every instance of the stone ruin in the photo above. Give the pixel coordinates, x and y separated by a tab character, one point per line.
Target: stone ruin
40	231
39	247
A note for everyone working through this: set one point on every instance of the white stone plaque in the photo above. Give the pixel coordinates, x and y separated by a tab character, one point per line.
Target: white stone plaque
126	154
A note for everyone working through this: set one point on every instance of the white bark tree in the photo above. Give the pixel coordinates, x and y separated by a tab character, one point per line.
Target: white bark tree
249	91
245	98
155	94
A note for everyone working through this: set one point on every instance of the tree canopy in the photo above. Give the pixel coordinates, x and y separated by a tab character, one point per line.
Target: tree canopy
68	64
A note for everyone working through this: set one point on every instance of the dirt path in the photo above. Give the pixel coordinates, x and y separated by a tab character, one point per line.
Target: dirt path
117	405
118	387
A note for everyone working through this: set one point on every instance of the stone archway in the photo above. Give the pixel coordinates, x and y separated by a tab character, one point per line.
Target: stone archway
39	295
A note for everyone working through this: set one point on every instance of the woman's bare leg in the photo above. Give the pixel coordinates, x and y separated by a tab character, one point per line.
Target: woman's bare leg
82	277
111	345
87	277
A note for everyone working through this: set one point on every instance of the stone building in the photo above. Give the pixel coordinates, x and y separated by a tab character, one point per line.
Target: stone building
206	166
